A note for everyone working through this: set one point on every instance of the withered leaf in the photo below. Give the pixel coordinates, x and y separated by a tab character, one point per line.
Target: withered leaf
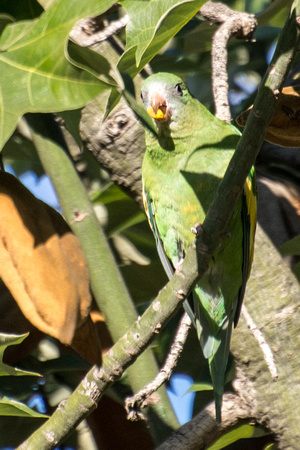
43	266
284	128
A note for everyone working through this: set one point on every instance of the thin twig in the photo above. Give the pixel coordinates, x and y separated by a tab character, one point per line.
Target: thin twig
233	23
134	404
264	346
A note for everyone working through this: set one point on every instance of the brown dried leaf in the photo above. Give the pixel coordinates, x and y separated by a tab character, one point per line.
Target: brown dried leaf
43	266
284	128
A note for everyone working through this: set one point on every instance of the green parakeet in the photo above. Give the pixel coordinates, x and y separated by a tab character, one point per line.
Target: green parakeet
182	168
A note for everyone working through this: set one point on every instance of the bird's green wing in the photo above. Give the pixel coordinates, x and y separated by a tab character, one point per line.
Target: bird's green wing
165	261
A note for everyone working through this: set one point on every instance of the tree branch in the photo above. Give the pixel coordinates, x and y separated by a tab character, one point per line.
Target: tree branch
139	401
264	346
120	134
232	23
272	297
201	431
86	32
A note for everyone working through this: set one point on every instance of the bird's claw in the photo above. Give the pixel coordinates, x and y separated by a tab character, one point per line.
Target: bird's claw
197	229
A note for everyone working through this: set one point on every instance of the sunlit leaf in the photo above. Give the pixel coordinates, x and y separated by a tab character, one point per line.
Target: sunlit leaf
34	72
152	24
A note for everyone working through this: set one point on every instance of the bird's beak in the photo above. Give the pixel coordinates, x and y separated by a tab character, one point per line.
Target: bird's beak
158	109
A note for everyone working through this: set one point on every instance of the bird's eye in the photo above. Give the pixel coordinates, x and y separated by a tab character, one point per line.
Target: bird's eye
142	97
178	88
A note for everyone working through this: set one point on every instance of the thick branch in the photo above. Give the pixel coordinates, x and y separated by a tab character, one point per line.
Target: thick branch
272	298
200	432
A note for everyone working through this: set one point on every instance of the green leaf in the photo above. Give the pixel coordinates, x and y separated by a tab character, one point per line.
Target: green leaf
123	211
112	101
291	247
20	153
199	40
152	24
109	194
200	387
272	446
276	14
91	61
9	407
5	341
242	432
5	19
35	75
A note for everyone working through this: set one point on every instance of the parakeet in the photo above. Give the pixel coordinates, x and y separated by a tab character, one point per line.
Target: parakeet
182	168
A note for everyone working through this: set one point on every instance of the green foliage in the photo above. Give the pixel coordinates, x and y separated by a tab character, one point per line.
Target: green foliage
5	341
9	406
151	26
35	74
42	71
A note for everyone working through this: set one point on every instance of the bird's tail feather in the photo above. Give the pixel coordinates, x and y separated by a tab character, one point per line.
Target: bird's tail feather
218	364
215	348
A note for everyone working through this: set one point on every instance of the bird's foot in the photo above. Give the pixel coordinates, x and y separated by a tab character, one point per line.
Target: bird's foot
197	229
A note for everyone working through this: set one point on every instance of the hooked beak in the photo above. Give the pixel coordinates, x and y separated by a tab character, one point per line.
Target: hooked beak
158	109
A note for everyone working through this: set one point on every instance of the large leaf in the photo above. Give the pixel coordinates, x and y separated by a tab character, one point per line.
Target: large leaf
152	24
43	266
35	75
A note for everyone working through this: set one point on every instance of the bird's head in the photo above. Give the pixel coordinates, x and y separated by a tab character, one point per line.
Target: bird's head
163	95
